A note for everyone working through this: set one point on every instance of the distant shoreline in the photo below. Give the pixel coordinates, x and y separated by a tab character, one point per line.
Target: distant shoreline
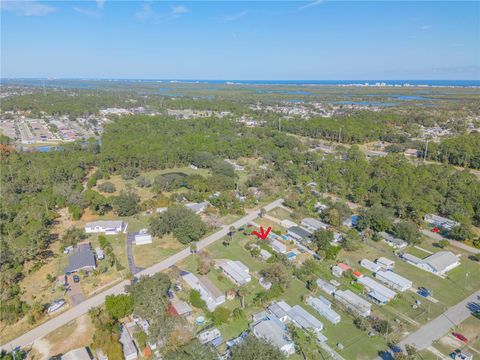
348	83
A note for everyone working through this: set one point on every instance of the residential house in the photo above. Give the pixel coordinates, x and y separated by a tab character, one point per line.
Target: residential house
392	241
326	287
441	222
298	233
275	332
323	307
198	208
236	271
339	269
130	351
287	223
376	291
109	227
265	255
265	283
280	309
77	354
143	237
278	246
353	302
181	308
209	293
319	207
393	280
385	263
337	238
303	319
313	225
209	335
439	263
370	265
82	258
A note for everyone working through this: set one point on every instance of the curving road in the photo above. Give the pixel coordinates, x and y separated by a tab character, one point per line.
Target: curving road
40	331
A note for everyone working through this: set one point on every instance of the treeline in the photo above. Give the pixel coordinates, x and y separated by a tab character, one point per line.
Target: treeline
357	128
74	102
463	150
147	143
411	191
34	185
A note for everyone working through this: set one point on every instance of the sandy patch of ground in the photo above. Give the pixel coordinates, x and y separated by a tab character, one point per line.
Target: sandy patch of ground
77	333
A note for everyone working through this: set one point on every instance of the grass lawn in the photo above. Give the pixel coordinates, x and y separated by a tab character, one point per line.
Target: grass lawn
230	218
149	254
280	213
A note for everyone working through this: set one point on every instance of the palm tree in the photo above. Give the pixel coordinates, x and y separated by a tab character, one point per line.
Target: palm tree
242	291
262	212
232	231
193	248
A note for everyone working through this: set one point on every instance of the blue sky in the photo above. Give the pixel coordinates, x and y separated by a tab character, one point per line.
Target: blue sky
307	40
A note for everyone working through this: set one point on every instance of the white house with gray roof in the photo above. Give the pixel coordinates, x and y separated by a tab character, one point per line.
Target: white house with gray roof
236	271
312	224
108	227
439	263
130	351
209	293
323	307
441	222
392	241
82	258
393	280
275	332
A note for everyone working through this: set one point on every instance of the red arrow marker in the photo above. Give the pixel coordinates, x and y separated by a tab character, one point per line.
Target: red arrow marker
263	234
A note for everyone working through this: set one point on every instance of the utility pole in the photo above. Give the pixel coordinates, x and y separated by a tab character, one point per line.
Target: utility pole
340	136
426	149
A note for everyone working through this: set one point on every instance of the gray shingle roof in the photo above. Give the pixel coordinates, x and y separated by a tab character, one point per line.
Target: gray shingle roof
80	259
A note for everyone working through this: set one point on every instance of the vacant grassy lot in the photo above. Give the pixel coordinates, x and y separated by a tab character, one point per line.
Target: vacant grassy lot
280	213
149	254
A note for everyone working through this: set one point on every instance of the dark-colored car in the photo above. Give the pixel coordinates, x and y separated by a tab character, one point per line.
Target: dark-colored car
76	278
460	337
423	291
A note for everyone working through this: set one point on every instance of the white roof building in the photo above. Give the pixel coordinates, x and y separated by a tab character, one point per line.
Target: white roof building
376	291
278	246
441	222
109	227
353	302
303	319
77	354
130	351
323	307
326	286
209	293
313	224
280	309
370	265
287	223
236	271
385	263
273	331
392	241
265	255
142	237
393	280
438	263
197	208
208	335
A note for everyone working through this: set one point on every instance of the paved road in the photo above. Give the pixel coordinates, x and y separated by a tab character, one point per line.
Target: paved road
455	243
438	327
40	331
131	261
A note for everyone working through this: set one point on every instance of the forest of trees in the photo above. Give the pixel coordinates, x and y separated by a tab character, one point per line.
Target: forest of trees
36	185
463	150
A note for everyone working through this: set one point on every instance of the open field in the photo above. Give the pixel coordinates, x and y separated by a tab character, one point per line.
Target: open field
149	254
281	214
146	193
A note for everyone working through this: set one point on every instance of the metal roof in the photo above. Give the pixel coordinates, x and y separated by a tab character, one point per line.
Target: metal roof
304	319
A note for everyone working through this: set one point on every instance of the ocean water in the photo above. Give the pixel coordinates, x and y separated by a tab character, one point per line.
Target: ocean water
94	83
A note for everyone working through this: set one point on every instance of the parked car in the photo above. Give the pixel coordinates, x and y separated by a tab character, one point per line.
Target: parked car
423	291
76	278
460	337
